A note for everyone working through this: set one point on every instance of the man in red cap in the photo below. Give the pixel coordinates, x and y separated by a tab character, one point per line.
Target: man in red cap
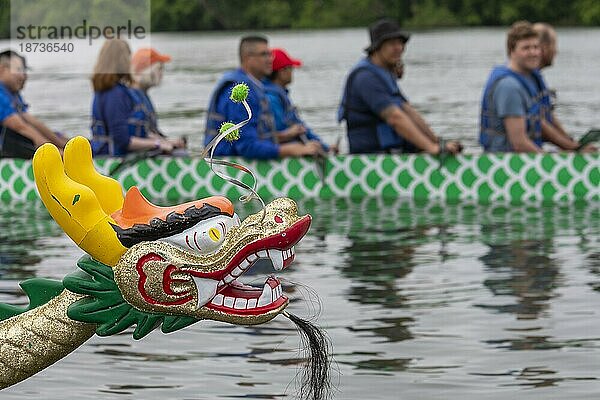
379	118
288	124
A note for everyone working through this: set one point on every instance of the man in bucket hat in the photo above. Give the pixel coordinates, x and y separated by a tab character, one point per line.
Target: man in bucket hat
379	118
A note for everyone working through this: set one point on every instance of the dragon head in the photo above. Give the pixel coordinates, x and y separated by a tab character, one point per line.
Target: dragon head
194	270
183	260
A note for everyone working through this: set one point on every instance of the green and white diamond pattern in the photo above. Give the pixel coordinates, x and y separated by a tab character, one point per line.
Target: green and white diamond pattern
487	177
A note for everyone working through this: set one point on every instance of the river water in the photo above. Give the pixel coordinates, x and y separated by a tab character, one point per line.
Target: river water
420	301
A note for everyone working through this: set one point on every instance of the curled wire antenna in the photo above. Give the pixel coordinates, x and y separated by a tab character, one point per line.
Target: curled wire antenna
229	131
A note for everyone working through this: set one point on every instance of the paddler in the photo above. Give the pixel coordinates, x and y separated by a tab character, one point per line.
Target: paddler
379	118
258	137
549	49
288	123
20	132
120	120
516	105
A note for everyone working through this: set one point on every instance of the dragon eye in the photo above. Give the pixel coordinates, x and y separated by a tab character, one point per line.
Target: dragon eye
206	236
215	234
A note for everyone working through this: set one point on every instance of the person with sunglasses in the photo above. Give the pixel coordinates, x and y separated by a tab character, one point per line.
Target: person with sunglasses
258	138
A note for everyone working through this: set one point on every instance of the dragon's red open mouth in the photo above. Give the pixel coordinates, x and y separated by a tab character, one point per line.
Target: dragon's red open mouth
239	299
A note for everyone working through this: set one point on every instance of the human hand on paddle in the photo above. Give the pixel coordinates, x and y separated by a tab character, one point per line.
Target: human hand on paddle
291	133
167	145
297	149
448	146
588	148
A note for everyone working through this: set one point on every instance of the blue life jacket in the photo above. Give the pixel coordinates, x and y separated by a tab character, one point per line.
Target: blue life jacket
386	136
149	111
290	112
137	123
492	140
290	116
265	127
16	101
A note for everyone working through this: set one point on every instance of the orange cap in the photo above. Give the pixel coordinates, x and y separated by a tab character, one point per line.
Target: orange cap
143	58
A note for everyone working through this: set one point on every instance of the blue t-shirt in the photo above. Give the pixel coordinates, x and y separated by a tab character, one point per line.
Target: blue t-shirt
10	103
367	96
510	100
250	144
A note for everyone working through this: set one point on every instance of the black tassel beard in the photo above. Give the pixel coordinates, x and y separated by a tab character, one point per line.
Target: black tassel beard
316	379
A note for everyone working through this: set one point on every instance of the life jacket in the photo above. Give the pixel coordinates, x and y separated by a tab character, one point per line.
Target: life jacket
290	115
541	107
15	100
386	136
265	127
137	123
12	143
149	111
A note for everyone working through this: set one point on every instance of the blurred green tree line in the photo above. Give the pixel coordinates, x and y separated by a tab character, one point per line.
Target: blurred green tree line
194	15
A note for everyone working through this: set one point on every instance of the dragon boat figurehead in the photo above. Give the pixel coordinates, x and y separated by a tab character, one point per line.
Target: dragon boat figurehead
183	260
152	266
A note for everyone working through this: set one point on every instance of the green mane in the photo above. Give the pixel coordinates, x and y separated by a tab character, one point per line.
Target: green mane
38	290
103	304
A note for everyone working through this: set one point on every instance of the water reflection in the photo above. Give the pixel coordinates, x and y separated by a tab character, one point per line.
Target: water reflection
22	228
466	293
522	269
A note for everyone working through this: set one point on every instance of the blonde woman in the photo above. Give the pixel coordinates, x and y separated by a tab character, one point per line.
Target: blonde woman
120	124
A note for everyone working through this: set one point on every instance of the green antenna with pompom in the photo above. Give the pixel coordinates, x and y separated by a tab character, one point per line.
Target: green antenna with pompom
231	132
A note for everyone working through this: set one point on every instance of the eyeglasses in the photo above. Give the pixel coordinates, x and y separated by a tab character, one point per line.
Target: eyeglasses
262	54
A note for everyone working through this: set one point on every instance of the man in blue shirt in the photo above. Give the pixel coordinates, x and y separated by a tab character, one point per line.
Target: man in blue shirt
20	132
516	104
379	118
288	124
257	138
548	49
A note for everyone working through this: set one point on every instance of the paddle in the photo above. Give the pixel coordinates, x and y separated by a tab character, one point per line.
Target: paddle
132	158
591	136
320	158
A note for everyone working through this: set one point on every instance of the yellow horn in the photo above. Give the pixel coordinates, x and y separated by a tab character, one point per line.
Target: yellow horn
80	168
75	207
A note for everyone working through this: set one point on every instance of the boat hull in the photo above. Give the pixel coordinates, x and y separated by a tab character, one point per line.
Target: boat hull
483	178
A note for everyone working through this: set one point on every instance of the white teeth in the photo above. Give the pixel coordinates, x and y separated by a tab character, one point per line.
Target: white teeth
266	296
277	292
240	304
207	288
218	300
228	302
276	258
228	279
269	295
251	257
262	254
244	264
237	271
